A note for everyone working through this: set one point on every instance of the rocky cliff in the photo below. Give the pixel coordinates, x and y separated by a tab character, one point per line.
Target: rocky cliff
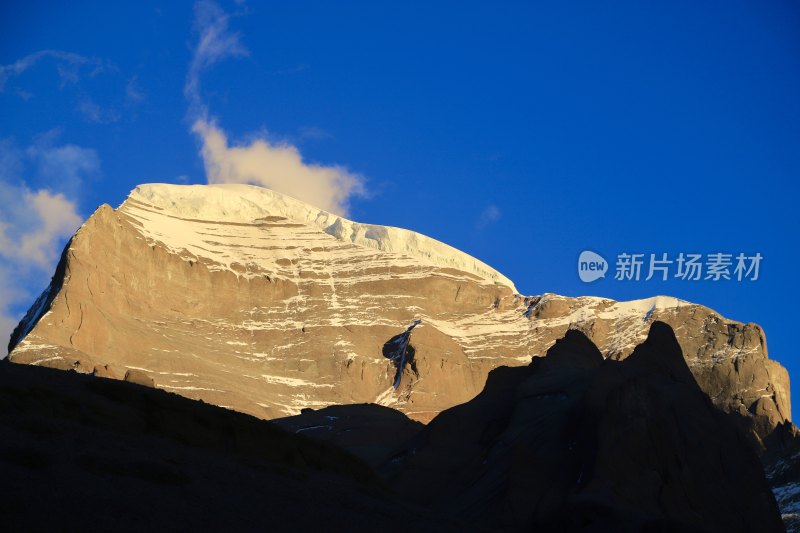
251	300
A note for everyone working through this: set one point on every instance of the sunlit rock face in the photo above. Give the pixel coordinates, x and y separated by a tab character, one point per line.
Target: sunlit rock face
249	299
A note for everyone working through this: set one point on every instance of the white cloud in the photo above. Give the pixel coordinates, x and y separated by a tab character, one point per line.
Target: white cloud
7	326
275	165
489	215
31	231
54	218
9	293
32	224
279	167
64	167
34	221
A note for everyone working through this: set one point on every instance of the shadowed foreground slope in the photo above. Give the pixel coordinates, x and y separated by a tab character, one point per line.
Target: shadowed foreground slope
372	433
81	453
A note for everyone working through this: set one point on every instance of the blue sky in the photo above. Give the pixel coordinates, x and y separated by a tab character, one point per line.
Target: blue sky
521	133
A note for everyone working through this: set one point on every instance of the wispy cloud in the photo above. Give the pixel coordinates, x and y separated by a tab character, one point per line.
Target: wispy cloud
260	161
133	92
92	112
215	42
313	133
68	66
489	215
76	72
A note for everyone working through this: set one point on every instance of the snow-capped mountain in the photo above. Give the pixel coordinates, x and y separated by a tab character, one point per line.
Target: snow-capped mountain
252	300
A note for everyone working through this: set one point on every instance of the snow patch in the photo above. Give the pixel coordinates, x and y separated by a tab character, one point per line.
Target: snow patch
386	398
292	382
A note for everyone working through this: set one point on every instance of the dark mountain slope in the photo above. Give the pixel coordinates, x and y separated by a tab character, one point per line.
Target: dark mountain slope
81	453
575	442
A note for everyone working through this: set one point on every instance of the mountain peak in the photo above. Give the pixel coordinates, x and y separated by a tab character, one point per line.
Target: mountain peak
249	204
250	299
